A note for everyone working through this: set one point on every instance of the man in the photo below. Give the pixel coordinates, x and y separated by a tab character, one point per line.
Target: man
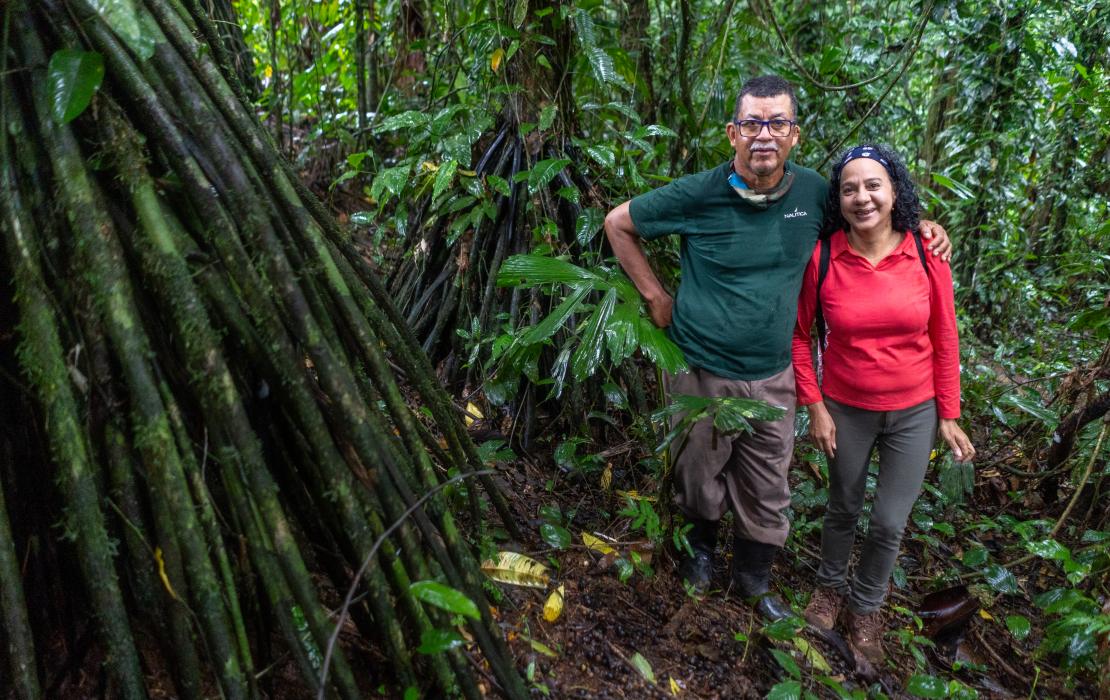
748	227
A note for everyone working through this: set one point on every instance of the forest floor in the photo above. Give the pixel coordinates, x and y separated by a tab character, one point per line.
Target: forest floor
714	646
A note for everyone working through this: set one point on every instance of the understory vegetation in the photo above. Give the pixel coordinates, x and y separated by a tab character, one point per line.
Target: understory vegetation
273	271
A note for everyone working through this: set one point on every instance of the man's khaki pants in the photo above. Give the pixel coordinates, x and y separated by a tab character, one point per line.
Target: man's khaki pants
743	472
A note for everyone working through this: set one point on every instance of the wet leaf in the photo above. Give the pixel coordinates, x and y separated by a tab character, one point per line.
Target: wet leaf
588	224
1018	625
555	536
545	171
445	597
553	608
924	686
73	77
530	270
603	155
597	544
1000	579
436	641
1032	407
585	360
786	690
444	176
516	569
556	319
643	666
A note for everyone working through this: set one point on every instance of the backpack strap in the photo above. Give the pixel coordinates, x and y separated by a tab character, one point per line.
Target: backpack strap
822	273
921	251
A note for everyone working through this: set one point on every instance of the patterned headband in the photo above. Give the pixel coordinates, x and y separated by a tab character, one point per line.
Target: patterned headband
864	152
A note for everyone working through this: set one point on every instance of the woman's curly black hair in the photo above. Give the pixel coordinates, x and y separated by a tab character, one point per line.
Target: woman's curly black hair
905	212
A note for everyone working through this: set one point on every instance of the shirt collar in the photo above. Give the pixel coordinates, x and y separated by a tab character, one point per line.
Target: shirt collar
839	246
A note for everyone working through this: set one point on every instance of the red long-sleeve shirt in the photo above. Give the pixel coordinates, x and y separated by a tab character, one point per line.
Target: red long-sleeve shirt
892	339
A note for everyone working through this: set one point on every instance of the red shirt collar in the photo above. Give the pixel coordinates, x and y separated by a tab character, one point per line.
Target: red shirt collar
839	245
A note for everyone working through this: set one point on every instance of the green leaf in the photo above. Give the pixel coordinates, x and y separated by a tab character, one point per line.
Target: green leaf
392	180
587	357
445	597
1000	579
588	224
959	189
653	341
1049	549
555	320
1018	625
555	536
659	130
444	176
787	662
531	270
925	686
644	667
786	690
362	218
1033	408
520	13
437	641
601	65
976	556
620	333
544	172
73	77
547	117
604	156
498	184
404	120
127	24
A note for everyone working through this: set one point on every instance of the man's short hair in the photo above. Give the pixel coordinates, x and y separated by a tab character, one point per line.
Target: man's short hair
767	86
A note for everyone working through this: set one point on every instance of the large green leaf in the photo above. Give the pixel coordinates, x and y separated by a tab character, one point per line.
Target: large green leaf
588	224
555	320
924	686
125	20
1000	578
436	641
391	180
404	120
73	77
544	172
587	357
620	332
445	597
1032	407
444	176
531	270
658	347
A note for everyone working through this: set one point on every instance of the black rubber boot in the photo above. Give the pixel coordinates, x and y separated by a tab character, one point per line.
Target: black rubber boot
751	577
697	570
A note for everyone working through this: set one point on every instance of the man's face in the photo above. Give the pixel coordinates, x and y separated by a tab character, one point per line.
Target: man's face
761	157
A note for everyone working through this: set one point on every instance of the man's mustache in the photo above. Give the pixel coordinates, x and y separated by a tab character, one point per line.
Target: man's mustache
764	147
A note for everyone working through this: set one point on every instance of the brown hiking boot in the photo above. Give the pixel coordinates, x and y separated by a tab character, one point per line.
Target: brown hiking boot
865	637
824	608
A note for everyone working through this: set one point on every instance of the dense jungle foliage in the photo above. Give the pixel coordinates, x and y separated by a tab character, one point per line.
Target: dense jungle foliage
447	169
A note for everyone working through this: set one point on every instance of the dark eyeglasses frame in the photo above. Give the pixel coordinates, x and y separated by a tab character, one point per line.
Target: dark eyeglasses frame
763	123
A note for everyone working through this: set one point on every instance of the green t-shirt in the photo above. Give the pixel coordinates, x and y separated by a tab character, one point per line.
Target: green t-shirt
741	267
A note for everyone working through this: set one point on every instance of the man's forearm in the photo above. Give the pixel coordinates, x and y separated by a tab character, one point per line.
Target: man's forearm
630	252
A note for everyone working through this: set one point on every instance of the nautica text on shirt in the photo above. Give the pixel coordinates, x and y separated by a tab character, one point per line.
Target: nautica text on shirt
795	214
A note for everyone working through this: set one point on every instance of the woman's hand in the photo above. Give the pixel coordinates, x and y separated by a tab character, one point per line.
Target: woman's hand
936	239
962	449
822	429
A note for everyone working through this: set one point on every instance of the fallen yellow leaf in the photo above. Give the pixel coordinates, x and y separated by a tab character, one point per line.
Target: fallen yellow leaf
162	573
597	544
553	608
985	615
516	569
675	688
472	410
607	477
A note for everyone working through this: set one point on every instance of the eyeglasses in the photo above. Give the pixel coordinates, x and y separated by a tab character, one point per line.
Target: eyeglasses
752	127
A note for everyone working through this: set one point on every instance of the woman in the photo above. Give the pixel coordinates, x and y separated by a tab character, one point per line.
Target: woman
890	363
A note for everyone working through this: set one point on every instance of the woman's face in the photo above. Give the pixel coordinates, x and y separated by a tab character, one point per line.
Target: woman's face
866	195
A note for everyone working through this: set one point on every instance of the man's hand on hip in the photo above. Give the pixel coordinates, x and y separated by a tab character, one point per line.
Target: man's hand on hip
661	309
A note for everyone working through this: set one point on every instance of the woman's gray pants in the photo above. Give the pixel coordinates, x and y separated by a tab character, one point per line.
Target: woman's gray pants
904	438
